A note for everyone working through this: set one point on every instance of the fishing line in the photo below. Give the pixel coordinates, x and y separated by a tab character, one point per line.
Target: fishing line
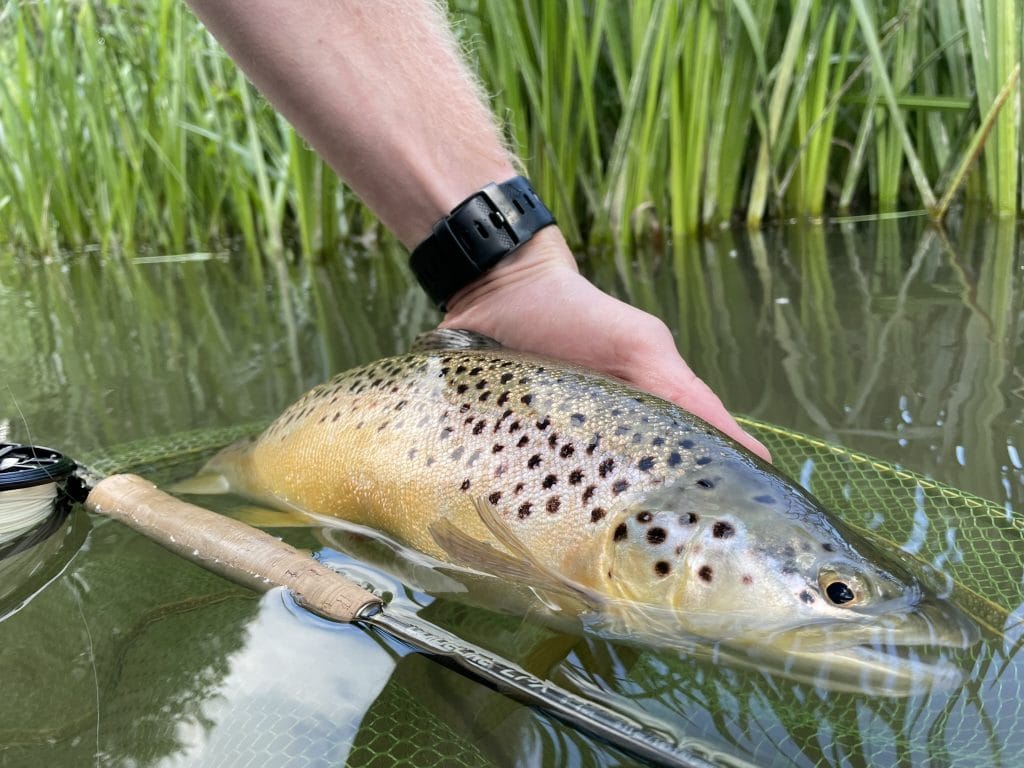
257	560
29	477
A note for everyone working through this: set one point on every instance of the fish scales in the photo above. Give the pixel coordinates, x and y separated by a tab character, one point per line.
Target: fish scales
404	441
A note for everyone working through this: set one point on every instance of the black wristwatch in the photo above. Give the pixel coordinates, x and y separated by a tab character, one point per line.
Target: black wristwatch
479	232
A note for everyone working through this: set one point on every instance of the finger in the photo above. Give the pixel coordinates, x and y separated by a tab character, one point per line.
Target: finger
692	394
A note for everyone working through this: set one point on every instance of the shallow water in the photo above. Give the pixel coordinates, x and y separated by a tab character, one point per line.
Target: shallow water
885	337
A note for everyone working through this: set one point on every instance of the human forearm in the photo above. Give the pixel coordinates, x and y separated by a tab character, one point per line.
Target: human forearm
379	90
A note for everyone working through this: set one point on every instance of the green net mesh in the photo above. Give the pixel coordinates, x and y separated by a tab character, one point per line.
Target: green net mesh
154	674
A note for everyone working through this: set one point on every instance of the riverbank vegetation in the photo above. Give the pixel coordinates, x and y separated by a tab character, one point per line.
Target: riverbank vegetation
124	126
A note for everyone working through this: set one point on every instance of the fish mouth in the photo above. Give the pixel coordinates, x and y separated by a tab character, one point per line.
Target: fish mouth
903	648
930	623
884	653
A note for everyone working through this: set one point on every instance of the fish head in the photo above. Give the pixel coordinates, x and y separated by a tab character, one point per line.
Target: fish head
748	559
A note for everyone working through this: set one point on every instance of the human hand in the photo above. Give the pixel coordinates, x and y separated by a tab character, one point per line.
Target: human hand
537	301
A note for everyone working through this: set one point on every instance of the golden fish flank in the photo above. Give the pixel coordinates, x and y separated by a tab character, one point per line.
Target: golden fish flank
533	469
405	441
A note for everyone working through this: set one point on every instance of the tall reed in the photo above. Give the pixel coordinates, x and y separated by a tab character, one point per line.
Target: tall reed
124	125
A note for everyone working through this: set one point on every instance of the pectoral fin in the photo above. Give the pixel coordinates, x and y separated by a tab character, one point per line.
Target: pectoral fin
518	563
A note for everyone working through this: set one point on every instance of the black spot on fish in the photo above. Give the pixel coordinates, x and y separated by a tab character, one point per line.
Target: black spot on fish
553	440
498	448
620	532
644	517
518	489
503	398
765	499
431	461
479	426
722	530
605	467
336	416
444	371
524	509
706	573
534	461
513	427
619	486
400	405
484	396
703	461
506	378
553	504
481	384
688	518
807	597
522	441
658	441
662	568
567	451
656	535
789	568
705	483
465	484
549	481
748	580
646	463
588	493
446	432
593	445
674	459
495	497
789	551
597	514
475	371
464	407
575	476
577	419
461	389
544	424
526	399
828	547
500	470
412	453
687	444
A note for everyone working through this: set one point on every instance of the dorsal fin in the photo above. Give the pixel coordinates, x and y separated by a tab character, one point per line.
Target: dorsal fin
452	338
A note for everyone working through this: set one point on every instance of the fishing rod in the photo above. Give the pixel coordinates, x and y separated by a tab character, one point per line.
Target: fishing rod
255	559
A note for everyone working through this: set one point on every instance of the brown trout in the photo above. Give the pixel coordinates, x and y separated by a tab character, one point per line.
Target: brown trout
548	474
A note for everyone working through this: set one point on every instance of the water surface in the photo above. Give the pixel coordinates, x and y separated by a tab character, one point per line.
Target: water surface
887	337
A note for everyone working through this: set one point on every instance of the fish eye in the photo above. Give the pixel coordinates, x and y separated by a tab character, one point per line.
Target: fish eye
841	589
839	593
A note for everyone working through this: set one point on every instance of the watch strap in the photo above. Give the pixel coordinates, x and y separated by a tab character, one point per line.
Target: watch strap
479	232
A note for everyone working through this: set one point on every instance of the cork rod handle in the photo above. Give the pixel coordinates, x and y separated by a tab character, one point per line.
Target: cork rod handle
228	547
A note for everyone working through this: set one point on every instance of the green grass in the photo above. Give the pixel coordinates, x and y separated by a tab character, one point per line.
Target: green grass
124	126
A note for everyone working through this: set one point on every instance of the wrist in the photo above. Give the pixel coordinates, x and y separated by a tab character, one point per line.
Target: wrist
545	255
481	232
